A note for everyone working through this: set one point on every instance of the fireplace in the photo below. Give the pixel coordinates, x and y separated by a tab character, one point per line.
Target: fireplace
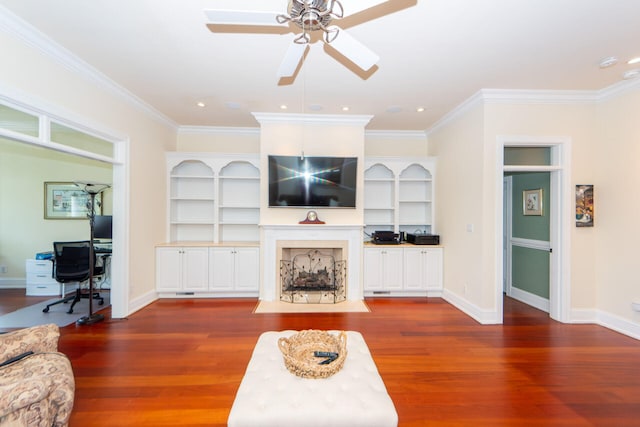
289	250
312	276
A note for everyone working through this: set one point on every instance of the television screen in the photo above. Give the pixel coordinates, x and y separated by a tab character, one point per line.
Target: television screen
312	181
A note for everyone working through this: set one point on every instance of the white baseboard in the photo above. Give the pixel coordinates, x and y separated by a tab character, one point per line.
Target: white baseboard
13	283
142	301
485	317
618	324
530	299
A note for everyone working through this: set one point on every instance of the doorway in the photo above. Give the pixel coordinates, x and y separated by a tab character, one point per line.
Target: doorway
559	206
526	244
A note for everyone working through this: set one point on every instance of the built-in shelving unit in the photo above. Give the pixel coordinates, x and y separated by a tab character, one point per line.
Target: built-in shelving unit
239	207
213	198
379	199
398	195
415	201
192	202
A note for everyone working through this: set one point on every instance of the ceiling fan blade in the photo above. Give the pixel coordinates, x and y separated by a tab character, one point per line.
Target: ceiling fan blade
353	7
355	51
291	60
242	17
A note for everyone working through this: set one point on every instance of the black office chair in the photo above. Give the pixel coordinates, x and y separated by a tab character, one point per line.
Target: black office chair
71	264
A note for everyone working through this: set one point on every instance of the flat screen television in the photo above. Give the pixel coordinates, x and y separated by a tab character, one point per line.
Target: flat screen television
312	182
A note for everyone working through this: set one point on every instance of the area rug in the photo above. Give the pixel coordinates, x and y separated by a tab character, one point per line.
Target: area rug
286	307
33	315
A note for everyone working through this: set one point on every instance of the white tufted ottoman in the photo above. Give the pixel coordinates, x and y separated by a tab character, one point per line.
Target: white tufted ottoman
269	395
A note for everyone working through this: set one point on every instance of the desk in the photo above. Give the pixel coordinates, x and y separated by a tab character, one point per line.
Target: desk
40	280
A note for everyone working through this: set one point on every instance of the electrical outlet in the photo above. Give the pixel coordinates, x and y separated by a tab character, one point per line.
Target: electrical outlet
3	269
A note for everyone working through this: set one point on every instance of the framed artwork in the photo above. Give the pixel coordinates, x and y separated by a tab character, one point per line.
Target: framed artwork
584	205
532	202
64	200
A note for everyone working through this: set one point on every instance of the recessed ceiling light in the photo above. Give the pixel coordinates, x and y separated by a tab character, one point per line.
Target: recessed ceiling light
420	109
283	107
608	62
631	74
201	104
633	61
345	108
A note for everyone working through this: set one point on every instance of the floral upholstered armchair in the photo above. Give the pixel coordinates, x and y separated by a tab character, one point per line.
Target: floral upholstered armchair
37	386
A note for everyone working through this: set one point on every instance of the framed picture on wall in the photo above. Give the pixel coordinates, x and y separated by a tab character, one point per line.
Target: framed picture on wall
584	205
64	200
532	202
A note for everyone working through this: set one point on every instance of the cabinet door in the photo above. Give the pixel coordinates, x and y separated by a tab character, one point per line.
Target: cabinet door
247	269
383	269
168	269
415	269
221	269
392	269
195	269
434	269
372	269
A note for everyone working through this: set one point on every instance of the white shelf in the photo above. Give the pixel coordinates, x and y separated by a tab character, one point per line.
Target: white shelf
398	194
214	198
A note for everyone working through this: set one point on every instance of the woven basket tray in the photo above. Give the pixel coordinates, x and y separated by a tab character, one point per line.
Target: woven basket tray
298	350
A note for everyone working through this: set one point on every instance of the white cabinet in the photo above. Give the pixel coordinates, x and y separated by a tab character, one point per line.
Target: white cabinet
403	271
40	281
398	195
182	269
382	269
423	269
207	271
213	198
234	269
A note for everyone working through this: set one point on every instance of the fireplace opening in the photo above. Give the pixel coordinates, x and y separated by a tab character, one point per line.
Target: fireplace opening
313	277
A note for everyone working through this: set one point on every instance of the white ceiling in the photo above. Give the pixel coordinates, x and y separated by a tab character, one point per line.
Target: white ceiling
434	54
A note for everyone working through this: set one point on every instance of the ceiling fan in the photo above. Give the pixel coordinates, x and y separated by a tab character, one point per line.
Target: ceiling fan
310	16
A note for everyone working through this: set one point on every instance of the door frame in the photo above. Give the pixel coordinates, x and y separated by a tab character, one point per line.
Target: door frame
560	218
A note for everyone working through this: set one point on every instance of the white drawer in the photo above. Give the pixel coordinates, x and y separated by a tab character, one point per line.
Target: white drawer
38	266
40	278
43	289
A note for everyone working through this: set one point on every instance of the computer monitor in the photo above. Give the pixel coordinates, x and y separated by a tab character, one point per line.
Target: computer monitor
102	227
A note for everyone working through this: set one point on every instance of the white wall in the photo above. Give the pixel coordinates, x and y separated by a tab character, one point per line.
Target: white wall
48	77
604	135
460	207
616	174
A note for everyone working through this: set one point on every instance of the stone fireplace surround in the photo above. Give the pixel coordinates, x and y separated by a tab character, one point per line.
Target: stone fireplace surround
345	238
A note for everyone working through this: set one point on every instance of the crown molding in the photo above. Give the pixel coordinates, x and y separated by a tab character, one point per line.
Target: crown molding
618	89
329	119
16	26
217	130
533	97
395	134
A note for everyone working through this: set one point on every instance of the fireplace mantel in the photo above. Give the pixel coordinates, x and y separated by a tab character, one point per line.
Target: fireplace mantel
348	236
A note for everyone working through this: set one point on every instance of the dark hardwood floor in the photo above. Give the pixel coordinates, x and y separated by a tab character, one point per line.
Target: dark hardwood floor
179	362
15	299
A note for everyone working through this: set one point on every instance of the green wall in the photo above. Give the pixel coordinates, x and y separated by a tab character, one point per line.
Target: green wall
530	267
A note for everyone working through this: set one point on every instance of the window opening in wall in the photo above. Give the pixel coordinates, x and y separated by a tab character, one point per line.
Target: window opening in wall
530	156
18	121
74	138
